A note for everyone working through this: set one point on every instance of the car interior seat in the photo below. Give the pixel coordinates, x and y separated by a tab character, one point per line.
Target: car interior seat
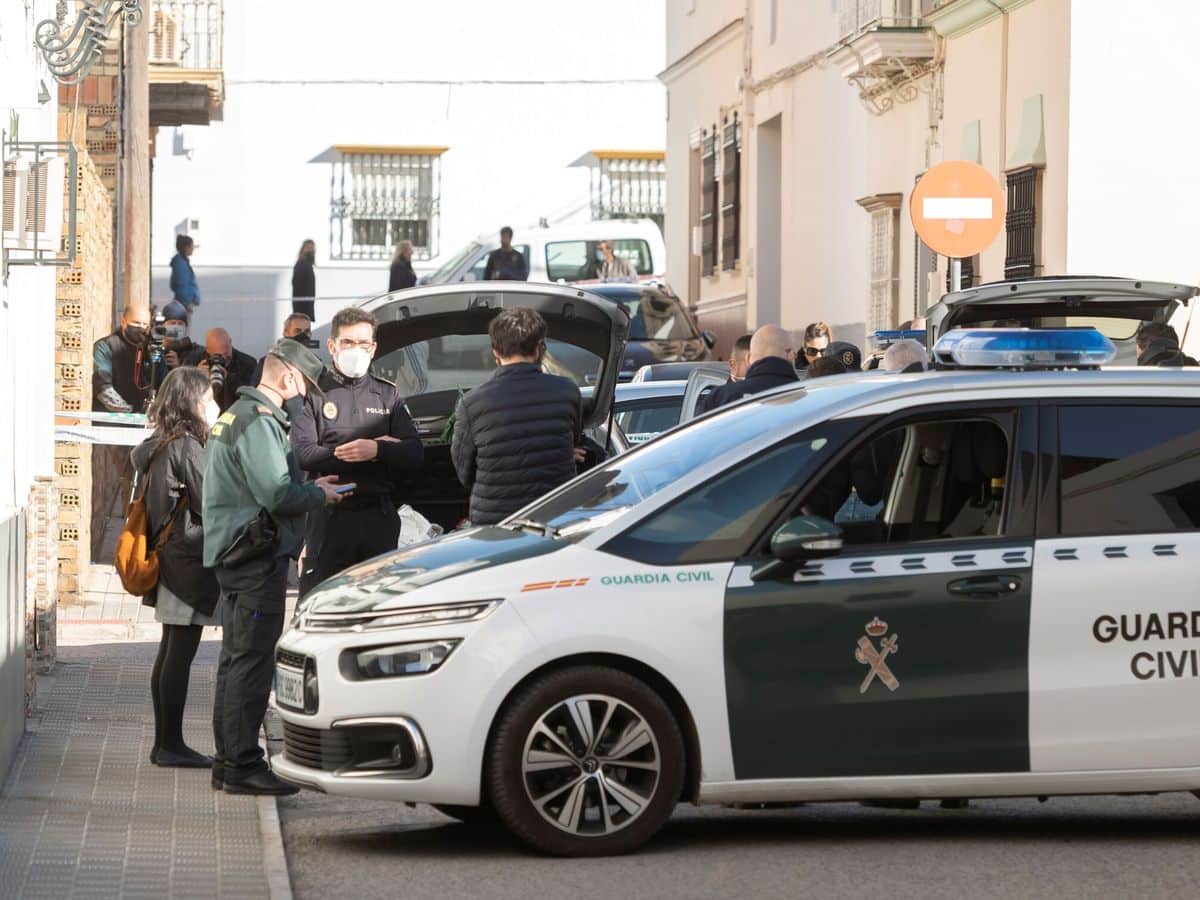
978	454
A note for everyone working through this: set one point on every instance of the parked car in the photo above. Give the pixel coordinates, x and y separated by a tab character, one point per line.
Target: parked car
433	343
686	623
642	411
1114	306
562	253
660	329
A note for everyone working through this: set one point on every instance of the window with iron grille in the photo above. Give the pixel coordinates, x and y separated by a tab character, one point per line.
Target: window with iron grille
708	203
731	198
380	198
1022	253
883	260
630	187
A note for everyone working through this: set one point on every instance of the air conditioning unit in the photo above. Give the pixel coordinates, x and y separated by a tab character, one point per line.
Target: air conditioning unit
32	213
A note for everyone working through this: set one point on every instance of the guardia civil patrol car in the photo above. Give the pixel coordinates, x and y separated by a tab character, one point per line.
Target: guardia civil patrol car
975	582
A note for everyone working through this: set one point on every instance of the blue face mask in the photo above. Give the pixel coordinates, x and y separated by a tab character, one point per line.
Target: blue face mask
599	256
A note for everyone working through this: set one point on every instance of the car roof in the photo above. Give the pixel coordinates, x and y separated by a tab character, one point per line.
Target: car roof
643	390
592	230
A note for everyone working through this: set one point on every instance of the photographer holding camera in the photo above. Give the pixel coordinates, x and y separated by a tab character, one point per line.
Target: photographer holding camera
228	368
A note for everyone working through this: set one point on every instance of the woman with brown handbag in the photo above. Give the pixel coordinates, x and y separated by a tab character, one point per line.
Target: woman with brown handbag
170	467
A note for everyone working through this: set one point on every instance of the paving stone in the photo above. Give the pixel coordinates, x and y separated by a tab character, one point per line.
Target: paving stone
84	814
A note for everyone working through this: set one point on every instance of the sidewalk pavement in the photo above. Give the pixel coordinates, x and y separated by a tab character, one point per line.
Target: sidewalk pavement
85	814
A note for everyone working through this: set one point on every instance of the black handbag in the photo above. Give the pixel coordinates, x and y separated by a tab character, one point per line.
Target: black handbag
257	538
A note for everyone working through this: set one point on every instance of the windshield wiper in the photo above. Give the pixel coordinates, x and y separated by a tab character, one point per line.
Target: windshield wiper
536	527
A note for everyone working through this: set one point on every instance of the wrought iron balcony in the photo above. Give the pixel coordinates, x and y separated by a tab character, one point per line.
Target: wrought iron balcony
187	81
884	49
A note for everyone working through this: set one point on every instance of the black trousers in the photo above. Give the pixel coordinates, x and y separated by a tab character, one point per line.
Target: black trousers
307	307
340	536
251	623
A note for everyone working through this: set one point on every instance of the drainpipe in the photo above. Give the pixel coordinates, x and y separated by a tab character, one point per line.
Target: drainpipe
1003	129
747	126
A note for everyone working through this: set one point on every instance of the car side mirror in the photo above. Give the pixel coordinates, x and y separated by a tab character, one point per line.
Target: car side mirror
796	542
710	339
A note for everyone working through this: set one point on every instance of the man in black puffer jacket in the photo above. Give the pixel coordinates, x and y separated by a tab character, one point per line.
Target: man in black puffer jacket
772	363
515	435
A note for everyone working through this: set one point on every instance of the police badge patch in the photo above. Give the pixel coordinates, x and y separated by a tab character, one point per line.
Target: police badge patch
329	410
867	654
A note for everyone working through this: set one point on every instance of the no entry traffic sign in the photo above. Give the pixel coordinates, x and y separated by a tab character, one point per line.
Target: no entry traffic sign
957	208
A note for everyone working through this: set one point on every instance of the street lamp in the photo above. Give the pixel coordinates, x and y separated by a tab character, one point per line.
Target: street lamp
70	58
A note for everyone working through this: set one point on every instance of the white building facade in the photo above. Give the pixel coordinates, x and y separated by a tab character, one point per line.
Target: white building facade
27	372
1075	106
357	131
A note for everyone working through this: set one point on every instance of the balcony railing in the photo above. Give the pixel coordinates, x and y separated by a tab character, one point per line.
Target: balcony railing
857	16
186	33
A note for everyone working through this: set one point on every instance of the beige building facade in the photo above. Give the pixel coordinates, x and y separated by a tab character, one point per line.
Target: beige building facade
841	106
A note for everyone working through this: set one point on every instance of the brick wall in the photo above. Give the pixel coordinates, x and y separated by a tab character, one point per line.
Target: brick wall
84	314
41	583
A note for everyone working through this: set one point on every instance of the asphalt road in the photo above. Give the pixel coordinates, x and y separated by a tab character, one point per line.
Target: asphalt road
1079	847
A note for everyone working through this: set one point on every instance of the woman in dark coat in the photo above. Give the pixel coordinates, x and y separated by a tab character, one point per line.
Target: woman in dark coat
187	594
304	281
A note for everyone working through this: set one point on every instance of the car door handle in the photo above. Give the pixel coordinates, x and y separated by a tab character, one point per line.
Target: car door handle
985	585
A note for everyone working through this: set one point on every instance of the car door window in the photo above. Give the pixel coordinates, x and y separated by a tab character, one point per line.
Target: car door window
1129	469
644	420
570	260
721	518
924	480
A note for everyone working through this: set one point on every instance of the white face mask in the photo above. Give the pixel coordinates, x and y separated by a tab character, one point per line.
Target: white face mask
211	413
353	363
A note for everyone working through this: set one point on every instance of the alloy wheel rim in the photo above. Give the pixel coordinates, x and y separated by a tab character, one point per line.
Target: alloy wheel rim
591	765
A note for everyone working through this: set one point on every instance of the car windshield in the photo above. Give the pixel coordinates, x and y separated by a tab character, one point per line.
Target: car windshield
608	491
1113	327
454	362
447	269
654	317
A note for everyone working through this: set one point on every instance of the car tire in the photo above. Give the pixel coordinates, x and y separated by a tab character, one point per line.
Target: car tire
586	761
475	816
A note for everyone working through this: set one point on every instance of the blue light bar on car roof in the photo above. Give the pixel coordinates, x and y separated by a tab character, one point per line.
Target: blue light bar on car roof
1024	348
881	340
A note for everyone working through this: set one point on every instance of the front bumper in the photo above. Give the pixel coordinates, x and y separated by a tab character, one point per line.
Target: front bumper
445	715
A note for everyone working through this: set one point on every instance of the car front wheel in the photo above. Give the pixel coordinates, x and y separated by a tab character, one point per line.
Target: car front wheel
586	761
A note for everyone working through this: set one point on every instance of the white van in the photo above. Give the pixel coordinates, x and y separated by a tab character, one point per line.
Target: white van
563	252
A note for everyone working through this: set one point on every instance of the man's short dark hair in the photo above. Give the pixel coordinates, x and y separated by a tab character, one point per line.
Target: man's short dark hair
1156	331
182	242
351	315
742	344
505	231
517	332
825	365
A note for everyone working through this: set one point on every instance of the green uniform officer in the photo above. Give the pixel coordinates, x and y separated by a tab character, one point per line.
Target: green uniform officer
255	502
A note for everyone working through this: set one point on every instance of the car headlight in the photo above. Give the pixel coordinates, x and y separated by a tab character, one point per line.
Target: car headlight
396	660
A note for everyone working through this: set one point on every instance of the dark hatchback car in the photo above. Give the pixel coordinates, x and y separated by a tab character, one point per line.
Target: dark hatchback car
660	329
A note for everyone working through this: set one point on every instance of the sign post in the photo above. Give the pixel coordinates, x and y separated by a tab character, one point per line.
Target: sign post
957	209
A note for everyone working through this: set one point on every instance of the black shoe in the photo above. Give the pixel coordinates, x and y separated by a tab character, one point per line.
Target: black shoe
154	756
218	776
187	758
263	783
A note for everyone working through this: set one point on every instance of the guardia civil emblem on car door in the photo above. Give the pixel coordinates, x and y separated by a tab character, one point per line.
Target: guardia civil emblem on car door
876	657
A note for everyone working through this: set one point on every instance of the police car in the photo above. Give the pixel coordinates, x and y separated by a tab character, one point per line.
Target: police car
1010	611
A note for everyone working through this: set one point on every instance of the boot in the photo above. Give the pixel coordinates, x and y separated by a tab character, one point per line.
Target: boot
262	783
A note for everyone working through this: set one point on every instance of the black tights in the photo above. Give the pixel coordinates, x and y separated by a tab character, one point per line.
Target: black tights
169	683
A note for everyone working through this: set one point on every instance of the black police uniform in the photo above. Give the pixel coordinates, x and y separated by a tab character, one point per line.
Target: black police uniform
365	524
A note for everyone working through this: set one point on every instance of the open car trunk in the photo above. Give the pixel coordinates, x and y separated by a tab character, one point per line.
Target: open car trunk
433	343
1114	306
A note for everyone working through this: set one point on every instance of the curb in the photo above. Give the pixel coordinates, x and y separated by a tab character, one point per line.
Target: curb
279	885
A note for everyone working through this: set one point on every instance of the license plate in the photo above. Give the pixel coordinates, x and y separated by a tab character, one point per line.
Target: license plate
289	687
